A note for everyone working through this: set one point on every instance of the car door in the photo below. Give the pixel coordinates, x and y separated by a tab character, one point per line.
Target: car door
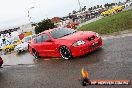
48	46
38	44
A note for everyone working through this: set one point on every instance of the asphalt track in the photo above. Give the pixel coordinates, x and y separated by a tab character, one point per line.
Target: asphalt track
112	61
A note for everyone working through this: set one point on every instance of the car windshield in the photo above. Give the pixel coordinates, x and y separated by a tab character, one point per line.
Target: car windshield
62	32
13	39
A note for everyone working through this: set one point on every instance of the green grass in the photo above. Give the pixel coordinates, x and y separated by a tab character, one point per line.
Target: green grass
107	25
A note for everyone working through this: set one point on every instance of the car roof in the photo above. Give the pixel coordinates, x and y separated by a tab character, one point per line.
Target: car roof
48	31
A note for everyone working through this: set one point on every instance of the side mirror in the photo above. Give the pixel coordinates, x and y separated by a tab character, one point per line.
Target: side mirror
29	42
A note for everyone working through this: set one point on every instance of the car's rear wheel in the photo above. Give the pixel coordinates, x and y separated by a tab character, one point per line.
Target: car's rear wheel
35	54
65	53
19	51
7	51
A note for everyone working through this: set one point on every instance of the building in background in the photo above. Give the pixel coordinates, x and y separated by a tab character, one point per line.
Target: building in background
56	20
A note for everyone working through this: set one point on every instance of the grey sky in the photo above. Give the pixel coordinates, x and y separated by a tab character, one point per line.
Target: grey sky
14	12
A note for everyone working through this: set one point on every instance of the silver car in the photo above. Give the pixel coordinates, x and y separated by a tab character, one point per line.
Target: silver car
24	46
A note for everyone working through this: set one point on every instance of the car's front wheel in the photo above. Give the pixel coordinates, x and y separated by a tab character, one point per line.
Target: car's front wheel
65	53
36	54
7	51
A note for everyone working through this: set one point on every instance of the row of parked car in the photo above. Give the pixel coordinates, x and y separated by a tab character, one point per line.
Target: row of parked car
14	43
112	11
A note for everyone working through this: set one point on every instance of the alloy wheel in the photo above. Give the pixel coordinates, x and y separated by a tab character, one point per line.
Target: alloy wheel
65	53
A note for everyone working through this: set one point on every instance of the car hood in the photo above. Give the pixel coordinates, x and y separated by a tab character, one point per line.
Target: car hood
80	35
25	44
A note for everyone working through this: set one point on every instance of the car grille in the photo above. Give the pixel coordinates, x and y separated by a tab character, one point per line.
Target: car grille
91	38
93	46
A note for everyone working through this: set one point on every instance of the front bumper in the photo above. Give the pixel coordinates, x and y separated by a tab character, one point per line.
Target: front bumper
19	50
86	48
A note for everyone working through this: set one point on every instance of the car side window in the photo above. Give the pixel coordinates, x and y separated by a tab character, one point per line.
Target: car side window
42	38
45	37
39	38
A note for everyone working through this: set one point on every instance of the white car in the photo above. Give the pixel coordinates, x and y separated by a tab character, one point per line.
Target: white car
28	38
23	46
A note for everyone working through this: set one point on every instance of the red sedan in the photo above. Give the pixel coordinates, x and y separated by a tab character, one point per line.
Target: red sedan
1	61
64	42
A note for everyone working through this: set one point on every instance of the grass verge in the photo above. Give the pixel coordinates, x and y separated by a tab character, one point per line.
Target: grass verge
107	25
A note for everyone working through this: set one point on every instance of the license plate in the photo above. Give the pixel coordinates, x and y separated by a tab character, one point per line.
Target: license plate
95	44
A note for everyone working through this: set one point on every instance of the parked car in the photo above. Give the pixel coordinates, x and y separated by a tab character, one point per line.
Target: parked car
128	4
106	13
28	38
6	46
23	46
114	10
64	42
14	40
1	61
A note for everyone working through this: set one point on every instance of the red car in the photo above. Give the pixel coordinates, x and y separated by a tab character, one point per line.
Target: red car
64	42
1	61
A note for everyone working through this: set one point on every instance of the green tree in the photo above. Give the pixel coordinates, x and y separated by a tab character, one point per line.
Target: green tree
127	0
98	6
74	12
119	3
84	8
101	6
44	25
94	7
70	15
107	5
90	8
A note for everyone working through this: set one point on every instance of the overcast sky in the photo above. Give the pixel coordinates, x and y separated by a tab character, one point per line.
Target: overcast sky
14	12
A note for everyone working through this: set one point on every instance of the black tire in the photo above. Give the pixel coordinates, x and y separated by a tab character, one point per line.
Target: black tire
65	53
7	51
35	54
19	51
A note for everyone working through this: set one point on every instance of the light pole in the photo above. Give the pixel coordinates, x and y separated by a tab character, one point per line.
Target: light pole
29	16
79	5
29	19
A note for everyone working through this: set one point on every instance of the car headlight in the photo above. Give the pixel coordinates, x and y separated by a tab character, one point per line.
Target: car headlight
97	34
78	43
